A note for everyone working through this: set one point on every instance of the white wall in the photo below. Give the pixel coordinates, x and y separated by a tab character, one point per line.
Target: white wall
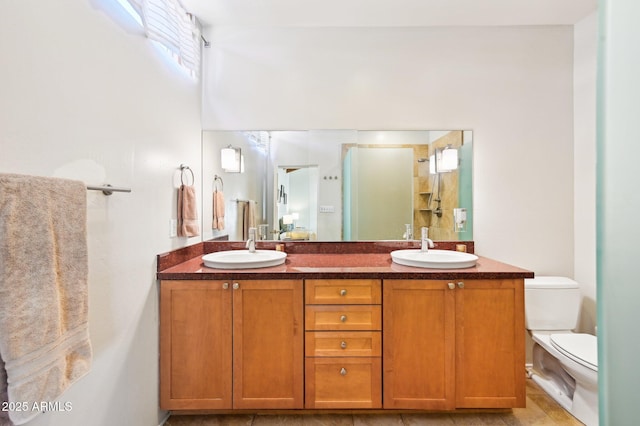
512	86
584	109
84	98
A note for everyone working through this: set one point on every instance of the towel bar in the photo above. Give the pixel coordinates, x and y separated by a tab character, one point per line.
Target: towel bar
108	189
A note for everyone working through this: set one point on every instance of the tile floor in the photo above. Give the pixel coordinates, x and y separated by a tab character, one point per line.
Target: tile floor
541	410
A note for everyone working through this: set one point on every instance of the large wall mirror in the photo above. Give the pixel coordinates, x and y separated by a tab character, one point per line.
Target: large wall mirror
337	185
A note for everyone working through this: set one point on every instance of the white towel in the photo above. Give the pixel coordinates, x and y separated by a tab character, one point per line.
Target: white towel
44	337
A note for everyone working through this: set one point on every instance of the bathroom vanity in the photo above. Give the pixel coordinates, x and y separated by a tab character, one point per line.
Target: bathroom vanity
339	326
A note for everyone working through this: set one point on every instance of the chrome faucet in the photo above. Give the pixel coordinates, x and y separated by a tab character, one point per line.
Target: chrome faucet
251	242
425	242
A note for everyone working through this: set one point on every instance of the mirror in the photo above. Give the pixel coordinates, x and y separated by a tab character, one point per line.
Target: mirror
339	185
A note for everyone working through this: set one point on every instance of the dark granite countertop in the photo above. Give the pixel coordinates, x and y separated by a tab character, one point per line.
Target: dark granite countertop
186	264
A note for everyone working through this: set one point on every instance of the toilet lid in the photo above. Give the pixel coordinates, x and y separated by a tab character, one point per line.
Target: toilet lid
582	348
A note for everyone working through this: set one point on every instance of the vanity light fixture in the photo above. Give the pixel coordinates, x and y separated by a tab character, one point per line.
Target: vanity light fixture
231	159
449	159
443	160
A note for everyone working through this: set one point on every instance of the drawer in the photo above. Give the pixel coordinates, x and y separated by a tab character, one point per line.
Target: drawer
342	292
343	383
342	317
343	343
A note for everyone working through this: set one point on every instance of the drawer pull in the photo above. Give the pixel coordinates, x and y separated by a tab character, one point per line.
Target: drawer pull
343	318
343	344
451	286
343	292
225	286
236	286
343	371
460	284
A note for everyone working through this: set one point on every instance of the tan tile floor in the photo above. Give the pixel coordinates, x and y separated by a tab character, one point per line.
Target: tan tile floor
541	410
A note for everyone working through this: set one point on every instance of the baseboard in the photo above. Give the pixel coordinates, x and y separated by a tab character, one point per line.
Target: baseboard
166	417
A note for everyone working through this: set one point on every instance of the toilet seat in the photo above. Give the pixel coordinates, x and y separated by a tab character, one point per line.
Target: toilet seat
580	347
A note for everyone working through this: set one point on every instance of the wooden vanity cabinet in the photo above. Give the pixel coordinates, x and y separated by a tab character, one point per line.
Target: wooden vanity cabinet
453	344
343	344
231	344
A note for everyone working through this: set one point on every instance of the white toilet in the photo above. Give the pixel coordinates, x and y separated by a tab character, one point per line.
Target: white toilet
565	364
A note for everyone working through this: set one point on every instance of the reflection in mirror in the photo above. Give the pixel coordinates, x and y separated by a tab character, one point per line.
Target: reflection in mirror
333	185
296	189
376	176
241	193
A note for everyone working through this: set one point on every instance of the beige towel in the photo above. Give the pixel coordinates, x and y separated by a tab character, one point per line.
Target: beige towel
187	212
252	214
44	337
218	210
248	216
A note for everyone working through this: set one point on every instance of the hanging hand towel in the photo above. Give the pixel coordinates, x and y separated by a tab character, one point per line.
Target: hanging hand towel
247	210
218	210
252	213
44	337
187	212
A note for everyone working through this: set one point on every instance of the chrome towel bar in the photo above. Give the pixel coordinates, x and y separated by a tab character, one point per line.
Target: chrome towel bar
107	189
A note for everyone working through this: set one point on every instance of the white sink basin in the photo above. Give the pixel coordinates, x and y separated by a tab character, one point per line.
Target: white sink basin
437	259
244	259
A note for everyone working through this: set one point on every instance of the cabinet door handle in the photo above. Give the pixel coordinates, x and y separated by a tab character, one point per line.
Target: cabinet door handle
343	318
451	286
225	286
460	284
343	371
343	344
236	286
343	292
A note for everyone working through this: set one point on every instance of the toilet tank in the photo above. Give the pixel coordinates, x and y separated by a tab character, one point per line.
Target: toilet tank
551	303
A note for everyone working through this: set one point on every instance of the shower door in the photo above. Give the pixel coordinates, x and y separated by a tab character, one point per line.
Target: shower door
376	178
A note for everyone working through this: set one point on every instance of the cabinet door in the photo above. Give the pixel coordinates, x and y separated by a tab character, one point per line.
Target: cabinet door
418	344
195	345
268	335
490	344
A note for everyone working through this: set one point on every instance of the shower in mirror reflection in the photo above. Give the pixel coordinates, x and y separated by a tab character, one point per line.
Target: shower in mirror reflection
374	177
450	171
443	160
